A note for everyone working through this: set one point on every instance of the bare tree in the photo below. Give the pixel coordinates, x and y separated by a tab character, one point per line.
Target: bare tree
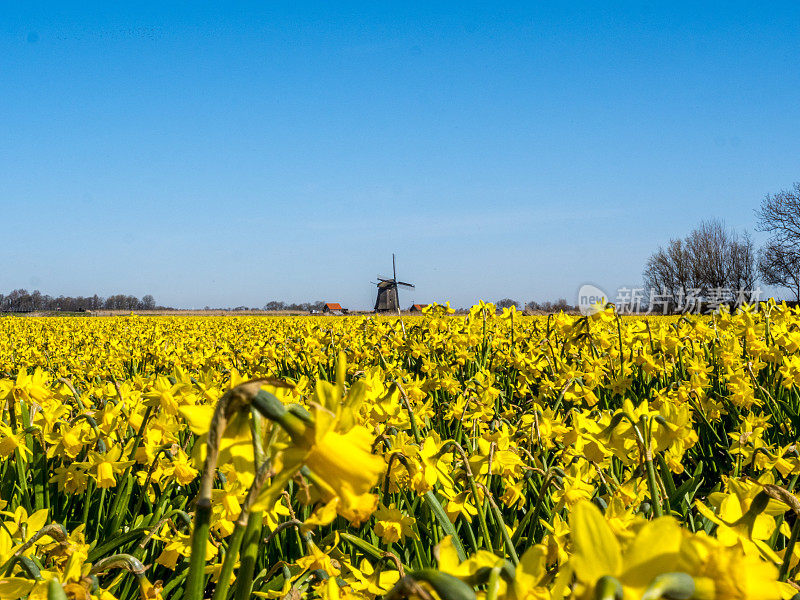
711	263
710	248
550	307
779	215
779	260
669	270
780	266
741	268
506	303
21	300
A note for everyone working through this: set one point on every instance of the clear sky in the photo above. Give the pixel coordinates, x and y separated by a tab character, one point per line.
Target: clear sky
232	154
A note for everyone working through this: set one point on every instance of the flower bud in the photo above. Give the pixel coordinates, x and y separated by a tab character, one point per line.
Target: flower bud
672	586
607	588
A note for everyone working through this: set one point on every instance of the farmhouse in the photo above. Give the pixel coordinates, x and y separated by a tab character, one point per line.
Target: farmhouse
333	308
417	308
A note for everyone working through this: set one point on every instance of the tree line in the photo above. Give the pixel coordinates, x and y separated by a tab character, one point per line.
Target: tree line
301	307
547	306
714	264
21	300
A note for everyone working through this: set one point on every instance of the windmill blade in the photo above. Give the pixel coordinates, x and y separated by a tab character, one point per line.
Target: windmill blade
394	268
403	283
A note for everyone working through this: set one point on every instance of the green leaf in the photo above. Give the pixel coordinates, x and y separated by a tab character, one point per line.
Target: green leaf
447	586
436	508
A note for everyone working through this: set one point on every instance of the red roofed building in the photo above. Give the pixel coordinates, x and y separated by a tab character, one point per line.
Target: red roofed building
334	308
417	307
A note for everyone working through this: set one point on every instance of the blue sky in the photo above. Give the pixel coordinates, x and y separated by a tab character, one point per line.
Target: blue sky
232	154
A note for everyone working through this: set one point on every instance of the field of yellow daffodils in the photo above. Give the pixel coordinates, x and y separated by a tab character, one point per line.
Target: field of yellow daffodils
491	455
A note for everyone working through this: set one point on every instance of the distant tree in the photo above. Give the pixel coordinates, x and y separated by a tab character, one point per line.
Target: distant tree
148	302
294	306
742	269
780	266
21	300
36	300
712	263
721	258
18	300
779	260
506	303
550	307
669	270
779	215
121	302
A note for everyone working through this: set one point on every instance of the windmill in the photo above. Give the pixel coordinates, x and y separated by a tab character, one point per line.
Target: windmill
388	299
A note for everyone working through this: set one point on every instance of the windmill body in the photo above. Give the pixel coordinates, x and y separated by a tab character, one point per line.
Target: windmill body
388	299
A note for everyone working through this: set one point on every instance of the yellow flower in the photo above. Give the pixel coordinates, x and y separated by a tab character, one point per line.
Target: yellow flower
10	441
12	588
236	447
104	466
183	472
317	559
177	547
447	558
30	388
596	552
530	580
372	581
335	449
392	525
165	395
460	504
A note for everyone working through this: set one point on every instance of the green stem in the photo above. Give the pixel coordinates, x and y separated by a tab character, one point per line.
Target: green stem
643	438
501	525
252	537
197	562
789	551
493	585
232	554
